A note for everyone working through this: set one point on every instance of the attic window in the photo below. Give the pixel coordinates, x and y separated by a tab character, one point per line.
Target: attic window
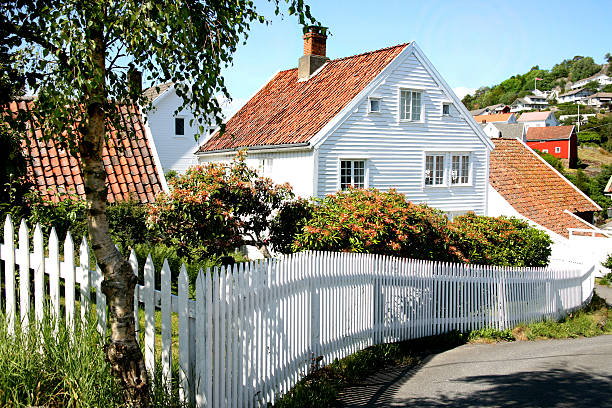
446	109
374	105
410	105
179	126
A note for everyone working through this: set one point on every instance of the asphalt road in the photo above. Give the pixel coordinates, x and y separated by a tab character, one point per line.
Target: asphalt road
552	373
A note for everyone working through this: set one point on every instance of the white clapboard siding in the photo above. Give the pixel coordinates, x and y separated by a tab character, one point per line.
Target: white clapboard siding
255	329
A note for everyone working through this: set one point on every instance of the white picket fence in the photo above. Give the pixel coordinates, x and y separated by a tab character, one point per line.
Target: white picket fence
255	329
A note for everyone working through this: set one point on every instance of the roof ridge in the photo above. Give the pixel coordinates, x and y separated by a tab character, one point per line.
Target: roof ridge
358	55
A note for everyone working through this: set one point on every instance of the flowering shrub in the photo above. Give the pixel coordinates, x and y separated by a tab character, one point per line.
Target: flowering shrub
215	208
500	241
358	220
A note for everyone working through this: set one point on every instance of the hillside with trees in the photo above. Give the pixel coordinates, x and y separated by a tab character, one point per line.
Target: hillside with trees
518	86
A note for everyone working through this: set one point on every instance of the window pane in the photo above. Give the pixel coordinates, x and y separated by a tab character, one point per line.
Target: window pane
404	105
439	175
374	105
358	174
465	173
456	169
345	174
429	169
179	126
446	109
416	106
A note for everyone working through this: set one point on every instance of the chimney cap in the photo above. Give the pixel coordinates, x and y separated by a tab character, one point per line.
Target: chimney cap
315	29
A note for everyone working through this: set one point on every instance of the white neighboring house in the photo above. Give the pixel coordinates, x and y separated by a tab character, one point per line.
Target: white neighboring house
383	119
575	95
600	78
173	134
505	130
599	100
529	102
538	119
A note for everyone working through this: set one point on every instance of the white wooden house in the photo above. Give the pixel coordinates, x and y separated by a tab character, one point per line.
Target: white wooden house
538	119
575	95
601	78
173	134
383	119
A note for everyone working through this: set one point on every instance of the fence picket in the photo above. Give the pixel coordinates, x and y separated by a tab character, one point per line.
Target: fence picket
69	279
149	307
183	333
39	274
54	275
9	273
166	325
24	274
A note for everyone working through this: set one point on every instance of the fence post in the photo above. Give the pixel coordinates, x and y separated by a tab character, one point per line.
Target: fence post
9	272
315	311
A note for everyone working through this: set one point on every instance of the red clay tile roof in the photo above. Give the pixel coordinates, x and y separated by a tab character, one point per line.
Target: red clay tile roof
534	189
534	116
549	133
498	117
131	172
286	111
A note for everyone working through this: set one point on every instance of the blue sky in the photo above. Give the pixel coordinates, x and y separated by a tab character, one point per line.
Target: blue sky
471	43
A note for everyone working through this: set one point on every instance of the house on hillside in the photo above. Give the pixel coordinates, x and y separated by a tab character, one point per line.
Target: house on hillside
496	118
492	109
601	78
575	95
529	102
505	130
538	119
383	119
599	100
608	189
174	135
133	169
560	141
524	185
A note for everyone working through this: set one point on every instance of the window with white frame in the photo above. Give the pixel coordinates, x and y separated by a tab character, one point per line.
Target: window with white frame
557	149
460	171
266	166
434	170
446	109
374	105
352	174
410	105
447	169
544	150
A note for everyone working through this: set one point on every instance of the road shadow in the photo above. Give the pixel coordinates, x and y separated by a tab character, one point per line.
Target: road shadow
552	388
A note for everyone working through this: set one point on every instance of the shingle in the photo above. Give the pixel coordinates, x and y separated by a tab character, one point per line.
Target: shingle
549	133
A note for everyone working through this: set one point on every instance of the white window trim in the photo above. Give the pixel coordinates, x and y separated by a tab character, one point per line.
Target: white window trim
374	98
366	170
399	105
557	149
184	127
447	183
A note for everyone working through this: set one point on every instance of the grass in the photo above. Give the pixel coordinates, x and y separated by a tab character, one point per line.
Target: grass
323	386
47	365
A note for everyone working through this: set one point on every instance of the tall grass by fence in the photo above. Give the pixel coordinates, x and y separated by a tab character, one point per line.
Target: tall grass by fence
254	329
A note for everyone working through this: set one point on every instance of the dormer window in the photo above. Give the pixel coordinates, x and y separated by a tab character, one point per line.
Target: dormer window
374	105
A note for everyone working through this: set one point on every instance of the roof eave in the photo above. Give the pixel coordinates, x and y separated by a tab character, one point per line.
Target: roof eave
284	147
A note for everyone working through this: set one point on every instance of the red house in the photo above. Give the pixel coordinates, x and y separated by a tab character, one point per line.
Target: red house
560	141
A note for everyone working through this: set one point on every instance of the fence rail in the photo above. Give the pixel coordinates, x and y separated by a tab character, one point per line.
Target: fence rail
254	329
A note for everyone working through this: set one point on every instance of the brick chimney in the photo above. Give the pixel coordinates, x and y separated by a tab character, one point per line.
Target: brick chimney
315	38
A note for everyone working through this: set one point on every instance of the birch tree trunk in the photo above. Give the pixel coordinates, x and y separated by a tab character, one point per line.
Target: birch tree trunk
122	349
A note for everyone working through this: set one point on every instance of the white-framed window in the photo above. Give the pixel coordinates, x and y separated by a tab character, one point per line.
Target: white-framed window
434	169
265	165
373	105
544	150
460	168
179	126
557	149
447	169
411	105
446	109
352	174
